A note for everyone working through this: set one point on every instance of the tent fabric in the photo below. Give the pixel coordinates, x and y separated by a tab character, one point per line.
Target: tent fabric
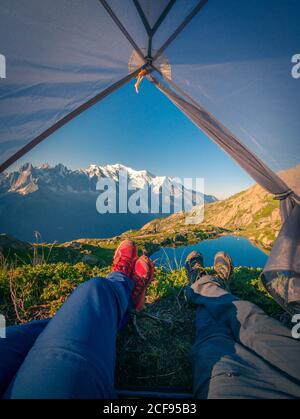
228	142
68	117
153	10
122	28
226	65
235	59
178	13
59	54
282	272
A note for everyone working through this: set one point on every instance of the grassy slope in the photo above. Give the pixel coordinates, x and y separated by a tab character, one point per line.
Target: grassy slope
252	213
158	354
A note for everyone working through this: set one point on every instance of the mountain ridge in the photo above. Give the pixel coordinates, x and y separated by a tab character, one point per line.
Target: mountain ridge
28	179
61	203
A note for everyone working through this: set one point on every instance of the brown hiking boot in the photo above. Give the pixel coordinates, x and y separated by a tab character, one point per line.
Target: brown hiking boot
194	266
223	267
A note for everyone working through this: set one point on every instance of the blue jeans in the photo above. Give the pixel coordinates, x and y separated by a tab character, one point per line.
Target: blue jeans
72	355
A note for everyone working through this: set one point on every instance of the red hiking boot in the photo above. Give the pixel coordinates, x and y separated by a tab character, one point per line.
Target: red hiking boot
125	257
142	275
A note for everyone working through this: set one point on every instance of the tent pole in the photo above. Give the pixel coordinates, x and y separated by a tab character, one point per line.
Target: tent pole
20	153
143	17
174	85
122	28
180	28
151	31
163	16
146	25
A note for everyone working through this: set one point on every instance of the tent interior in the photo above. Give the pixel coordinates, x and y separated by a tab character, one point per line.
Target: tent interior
226	65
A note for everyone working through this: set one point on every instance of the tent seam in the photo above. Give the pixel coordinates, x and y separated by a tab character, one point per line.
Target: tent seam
143	17
67	118
180	28
261	168
163	16
122	28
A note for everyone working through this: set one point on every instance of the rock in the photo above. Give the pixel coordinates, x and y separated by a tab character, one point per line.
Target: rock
75	244
90	259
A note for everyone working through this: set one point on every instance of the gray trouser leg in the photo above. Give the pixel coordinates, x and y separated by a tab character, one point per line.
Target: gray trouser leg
239	350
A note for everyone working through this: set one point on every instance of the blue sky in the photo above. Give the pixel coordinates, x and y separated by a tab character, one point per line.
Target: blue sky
144	131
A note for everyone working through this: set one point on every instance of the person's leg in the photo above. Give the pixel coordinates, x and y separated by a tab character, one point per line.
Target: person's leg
14	348
250	326
75	355
223	366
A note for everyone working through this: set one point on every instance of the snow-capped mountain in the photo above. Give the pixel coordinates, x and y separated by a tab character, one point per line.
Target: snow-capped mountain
29	179
61	203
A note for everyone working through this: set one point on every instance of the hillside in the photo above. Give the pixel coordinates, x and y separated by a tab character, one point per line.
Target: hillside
252	213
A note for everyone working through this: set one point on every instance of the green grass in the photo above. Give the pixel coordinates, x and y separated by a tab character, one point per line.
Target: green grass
266	211
153	354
